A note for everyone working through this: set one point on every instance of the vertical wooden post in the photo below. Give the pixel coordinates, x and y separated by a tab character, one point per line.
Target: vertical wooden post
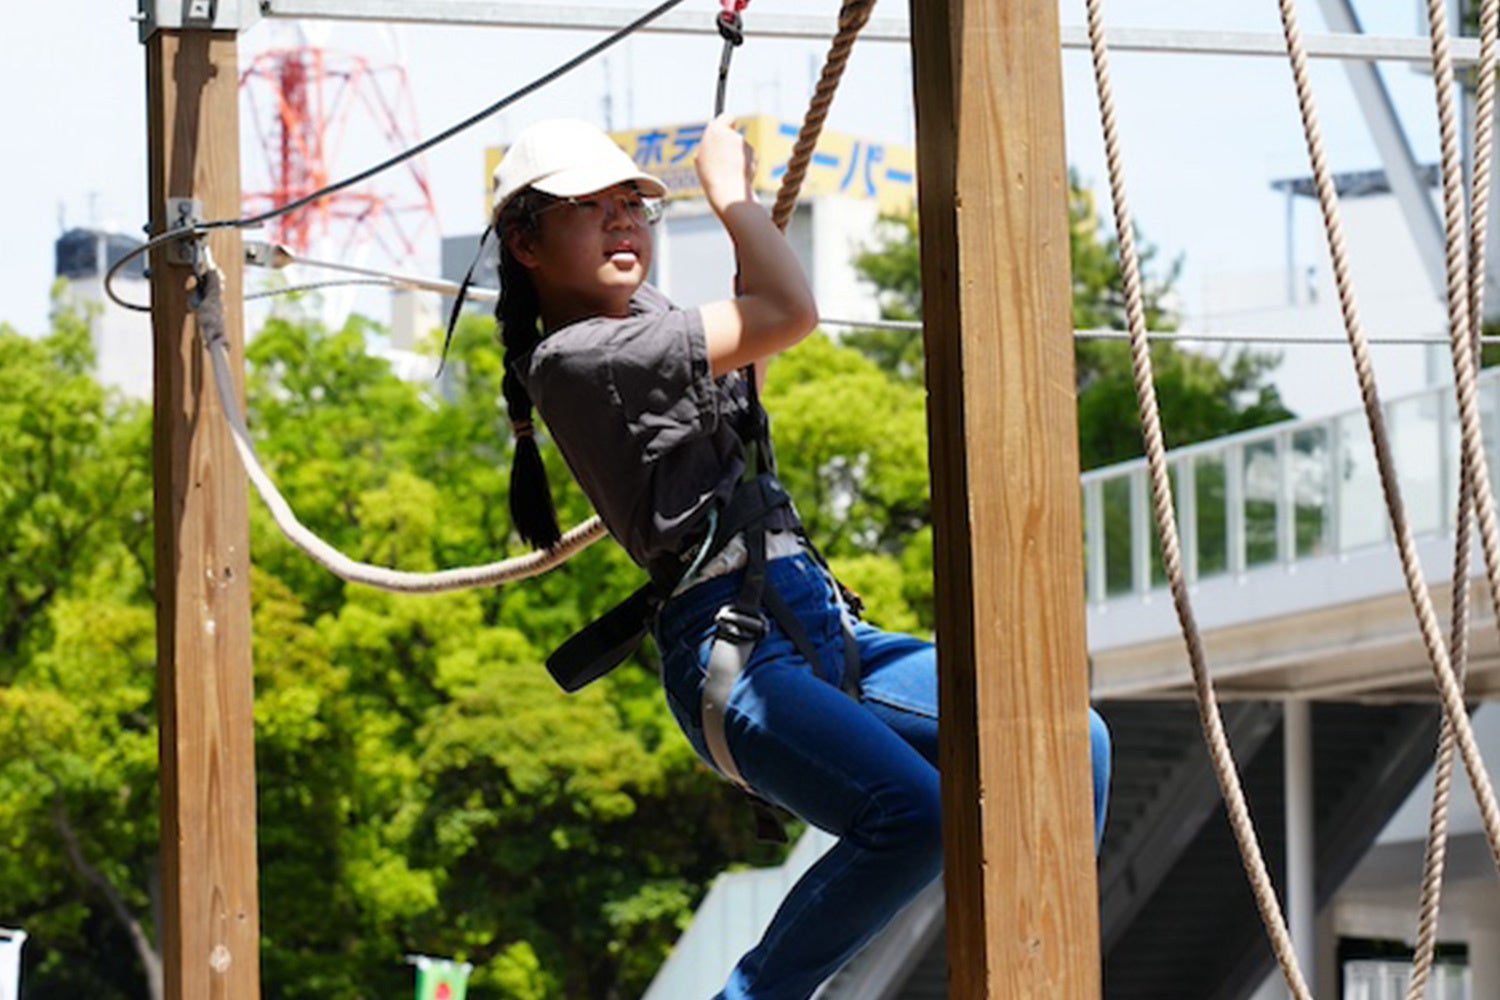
211	925
1022	892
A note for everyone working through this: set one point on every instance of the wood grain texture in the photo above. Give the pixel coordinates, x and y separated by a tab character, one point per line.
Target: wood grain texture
211	922
1022	894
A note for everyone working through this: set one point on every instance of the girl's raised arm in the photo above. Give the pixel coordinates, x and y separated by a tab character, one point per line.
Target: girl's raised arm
774	307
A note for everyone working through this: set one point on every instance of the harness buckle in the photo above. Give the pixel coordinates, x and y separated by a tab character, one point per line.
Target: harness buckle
739	626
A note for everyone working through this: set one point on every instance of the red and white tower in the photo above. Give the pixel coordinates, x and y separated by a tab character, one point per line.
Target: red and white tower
305	104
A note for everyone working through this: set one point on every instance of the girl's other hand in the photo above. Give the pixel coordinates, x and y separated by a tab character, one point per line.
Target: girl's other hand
726	165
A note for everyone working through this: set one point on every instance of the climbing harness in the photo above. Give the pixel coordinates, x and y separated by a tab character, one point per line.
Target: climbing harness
740	625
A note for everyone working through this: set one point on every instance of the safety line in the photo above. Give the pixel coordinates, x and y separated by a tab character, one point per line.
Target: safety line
441	286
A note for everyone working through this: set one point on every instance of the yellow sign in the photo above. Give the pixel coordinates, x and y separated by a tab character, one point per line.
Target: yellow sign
841	164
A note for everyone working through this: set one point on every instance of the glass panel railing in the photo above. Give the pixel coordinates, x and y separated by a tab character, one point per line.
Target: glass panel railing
1261	479
1117	547
1312	507
1299	490
1361	509
1209	480
1414	429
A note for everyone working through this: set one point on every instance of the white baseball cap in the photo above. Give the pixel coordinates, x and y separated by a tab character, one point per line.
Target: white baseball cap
567	158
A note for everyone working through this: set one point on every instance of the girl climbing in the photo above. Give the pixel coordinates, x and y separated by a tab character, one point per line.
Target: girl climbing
655	409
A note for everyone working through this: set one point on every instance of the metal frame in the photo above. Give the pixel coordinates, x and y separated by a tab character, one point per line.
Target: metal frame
201	15
1402	171
499	13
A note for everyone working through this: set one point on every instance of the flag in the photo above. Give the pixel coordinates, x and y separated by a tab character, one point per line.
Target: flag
440	978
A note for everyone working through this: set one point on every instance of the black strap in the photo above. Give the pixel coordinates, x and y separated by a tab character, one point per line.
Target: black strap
463	291
792	626
770	825
606	642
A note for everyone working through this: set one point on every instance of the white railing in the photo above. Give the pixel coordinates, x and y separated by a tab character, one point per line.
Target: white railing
1282	493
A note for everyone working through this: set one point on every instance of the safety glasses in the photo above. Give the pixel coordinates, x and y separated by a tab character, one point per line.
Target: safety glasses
642	211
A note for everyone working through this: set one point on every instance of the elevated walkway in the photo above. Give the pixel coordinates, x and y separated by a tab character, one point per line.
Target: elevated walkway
1287	547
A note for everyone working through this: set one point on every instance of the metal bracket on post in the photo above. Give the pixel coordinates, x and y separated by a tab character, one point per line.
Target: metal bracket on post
184	215
196	15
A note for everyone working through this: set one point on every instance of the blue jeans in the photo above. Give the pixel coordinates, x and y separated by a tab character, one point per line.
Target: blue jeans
864	771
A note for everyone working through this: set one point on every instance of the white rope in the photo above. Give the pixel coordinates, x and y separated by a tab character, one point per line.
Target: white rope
1432	637
1236	806
1435	854
211	330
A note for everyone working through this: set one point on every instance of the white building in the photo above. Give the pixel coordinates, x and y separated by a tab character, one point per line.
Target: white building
1392	286
122	338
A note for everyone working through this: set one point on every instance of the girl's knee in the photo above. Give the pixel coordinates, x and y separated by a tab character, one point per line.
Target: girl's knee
905	819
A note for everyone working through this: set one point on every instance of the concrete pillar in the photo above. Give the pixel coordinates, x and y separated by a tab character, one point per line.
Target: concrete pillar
1300	886
1484	960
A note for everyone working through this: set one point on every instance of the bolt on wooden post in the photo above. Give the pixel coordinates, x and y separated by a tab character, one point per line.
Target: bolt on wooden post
1022	895
211	920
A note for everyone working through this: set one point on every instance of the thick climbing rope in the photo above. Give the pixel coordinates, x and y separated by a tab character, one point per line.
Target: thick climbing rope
1474	484
1464	376
210	320
1435	854
1212	721
851	19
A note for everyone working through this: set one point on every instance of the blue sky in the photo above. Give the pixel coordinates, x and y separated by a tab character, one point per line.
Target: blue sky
1204	136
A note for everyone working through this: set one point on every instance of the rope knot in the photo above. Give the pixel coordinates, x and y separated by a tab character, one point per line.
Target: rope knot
731	28
522	429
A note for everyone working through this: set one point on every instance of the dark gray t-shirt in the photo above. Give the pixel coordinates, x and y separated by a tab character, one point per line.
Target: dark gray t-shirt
646	429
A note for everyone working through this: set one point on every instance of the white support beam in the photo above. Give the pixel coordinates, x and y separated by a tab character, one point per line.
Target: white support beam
1401	168
1301	877
503	14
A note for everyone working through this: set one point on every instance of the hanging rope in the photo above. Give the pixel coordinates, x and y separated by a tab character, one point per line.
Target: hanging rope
1435	854
210	319
1458	303
852	17
574	540
1209	716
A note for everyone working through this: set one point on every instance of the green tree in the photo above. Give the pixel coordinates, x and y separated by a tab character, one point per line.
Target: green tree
75	483
422	784
1200	396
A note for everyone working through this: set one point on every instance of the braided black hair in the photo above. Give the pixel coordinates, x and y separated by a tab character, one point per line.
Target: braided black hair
519	312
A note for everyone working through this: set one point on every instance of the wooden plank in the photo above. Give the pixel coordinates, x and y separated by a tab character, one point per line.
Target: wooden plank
211	920
1021	885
